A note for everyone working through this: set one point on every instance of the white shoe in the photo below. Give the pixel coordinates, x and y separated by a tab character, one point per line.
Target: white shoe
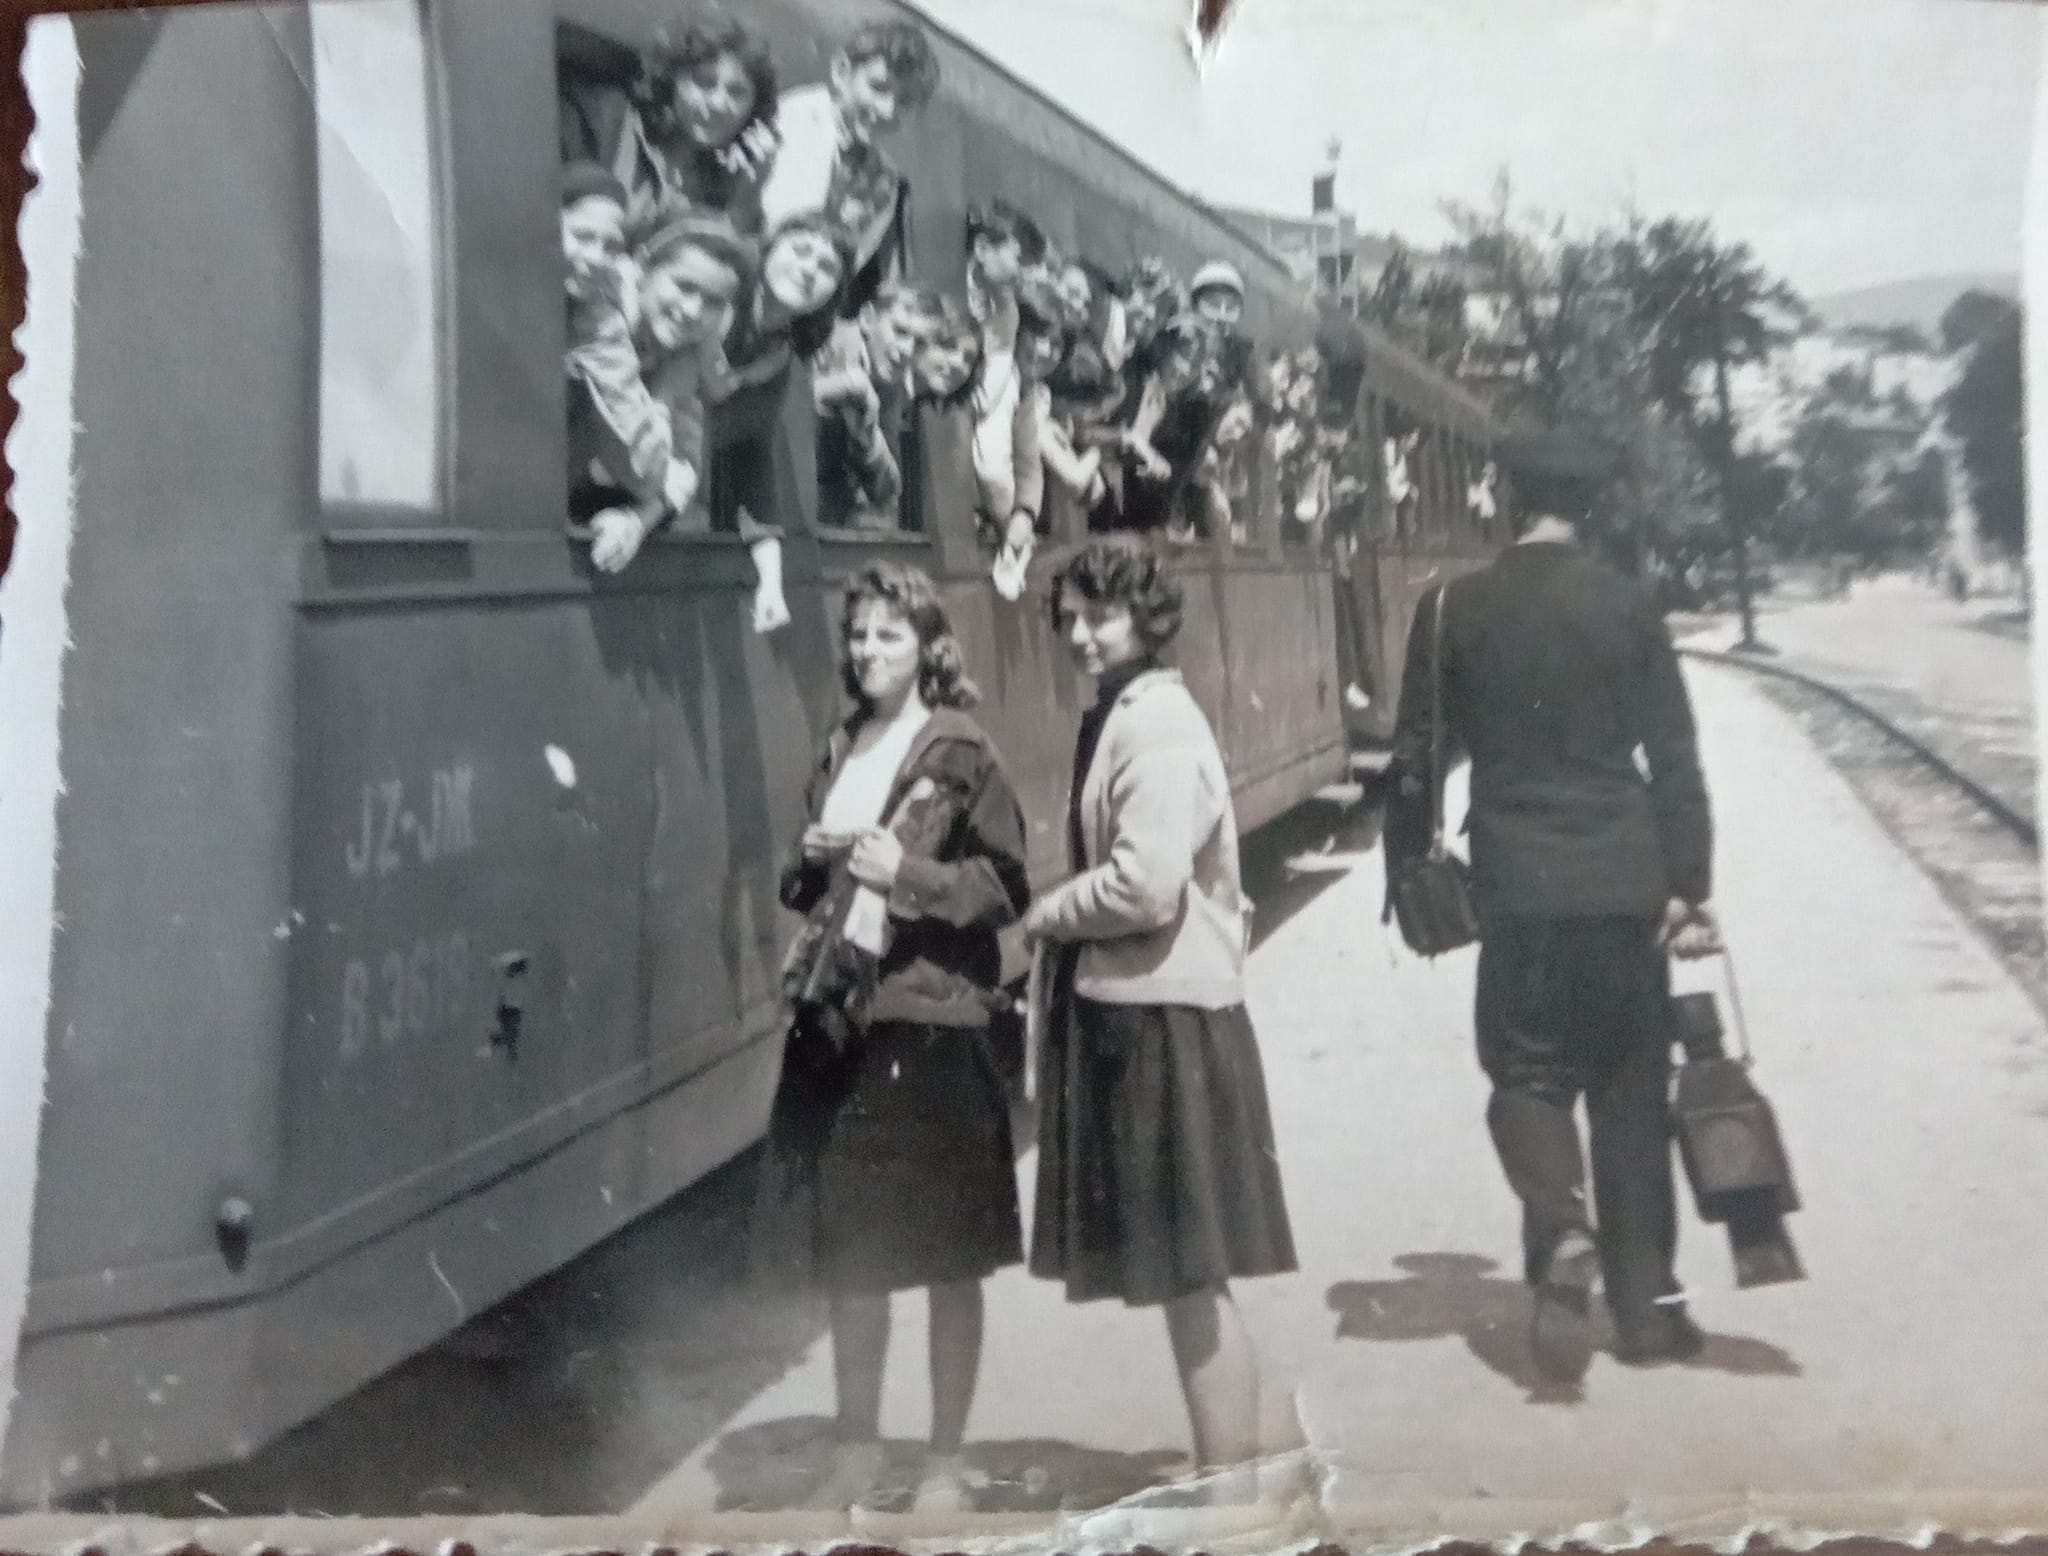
948	1486
856	1472
1356	698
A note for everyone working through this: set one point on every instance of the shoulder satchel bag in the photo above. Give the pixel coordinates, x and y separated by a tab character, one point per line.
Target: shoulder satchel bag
1432	896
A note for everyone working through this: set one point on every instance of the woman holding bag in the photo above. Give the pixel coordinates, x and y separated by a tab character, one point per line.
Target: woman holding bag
892	1115
1157	1177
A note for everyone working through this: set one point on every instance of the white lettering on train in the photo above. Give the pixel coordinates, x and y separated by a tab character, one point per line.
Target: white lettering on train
393	836
405	991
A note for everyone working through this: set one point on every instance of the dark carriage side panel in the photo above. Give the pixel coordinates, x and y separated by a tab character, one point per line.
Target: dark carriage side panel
193	379
1398	562
192	399
541	809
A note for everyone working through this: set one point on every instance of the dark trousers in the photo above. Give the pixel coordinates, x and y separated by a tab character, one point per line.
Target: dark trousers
1582	1007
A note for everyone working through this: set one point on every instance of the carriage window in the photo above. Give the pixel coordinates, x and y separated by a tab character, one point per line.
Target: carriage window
706	342
380	256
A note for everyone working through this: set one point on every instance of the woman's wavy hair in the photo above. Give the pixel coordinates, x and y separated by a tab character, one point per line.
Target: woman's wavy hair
1083	376
1121	570
901	46
1041	313
957	325
689	45
809	332
1001	222
909	591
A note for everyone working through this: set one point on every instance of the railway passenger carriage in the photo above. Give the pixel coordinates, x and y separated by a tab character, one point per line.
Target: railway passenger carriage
1404	548
416	884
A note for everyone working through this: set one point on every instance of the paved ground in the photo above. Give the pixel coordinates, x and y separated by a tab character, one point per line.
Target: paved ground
1911	1077
1956	675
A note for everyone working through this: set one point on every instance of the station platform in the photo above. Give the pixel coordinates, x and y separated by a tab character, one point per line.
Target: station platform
1911	1078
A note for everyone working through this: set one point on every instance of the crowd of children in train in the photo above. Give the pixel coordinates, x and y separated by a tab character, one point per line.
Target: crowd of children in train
719	230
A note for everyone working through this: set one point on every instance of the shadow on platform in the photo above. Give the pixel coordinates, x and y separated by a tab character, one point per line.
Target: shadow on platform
1459	1295
1291	861
575	1397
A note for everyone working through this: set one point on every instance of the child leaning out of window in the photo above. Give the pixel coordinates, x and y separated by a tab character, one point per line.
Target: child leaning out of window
627	476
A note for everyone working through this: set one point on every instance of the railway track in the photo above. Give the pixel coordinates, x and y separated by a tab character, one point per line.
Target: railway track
1978	847
1998	809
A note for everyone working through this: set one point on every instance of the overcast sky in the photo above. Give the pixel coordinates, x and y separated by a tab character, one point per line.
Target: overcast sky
1850	142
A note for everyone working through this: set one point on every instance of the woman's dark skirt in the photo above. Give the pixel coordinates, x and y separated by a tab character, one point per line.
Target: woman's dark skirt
892	1166
1157	1175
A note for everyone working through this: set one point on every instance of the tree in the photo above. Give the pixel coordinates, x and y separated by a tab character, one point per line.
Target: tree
1568	354
1763	487
1984	410
1865	480
1832	455
1971	316
1441	332
1544	282
1426	315
1393	290
1916	497
1705	308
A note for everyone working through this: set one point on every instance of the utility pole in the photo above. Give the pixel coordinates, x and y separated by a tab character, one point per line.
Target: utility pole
1328	239
1732	513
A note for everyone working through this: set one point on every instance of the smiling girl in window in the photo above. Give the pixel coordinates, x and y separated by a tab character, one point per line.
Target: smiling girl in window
702	136
685	124
630	472
827	153
785	314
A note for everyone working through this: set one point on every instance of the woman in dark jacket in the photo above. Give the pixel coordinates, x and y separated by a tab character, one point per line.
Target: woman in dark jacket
892	1107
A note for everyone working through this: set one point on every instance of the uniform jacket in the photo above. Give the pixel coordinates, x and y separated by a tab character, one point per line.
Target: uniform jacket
943	963
1558	676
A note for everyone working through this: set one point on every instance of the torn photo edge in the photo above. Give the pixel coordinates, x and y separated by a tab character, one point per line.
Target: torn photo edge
35	633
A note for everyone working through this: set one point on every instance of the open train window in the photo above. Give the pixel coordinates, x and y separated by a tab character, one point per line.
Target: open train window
1402	470
382	375
648	206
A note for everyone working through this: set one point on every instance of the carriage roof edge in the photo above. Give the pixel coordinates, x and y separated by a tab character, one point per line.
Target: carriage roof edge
1425	390
1252	248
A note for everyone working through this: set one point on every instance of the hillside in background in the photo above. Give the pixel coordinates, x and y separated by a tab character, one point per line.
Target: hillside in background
1920	301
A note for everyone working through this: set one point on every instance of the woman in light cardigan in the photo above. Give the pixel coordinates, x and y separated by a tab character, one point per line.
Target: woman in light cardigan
1157	1177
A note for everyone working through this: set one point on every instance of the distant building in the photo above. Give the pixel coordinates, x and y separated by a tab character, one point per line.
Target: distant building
1331	257
1322	251
1769	397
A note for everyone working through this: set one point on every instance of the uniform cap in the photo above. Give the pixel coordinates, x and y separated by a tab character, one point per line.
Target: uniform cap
1218	274
1554	469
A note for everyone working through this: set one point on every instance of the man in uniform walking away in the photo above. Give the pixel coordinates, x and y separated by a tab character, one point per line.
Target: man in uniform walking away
1591	843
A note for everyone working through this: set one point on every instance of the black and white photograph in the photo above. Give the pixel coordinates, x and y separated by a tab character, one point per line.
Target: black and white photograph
930	769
